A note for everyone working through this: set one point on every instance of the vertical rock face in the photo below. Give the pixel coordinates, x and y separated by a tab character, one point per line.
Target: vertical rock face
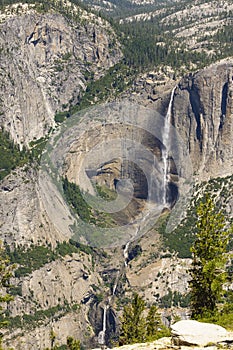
46	61
23	218
203	115
56	285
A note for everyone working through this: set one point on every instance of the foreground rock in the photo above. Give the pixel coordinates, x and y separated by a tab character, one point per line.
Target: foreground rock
163	344
189	332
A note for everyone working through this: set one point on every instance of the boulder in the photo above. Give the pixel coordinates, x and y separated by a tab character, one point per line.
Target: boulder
189	332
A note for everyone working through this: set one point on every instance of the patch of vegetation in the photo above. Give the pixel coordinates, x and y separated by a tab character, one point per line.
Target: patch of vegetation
99	297
60	117
44	6
75	199
6	269
149	44
136	328
71	344
221	41
108	87
31	259
208	270
37	256
37	147
68	248
106	193
87	214
82	247
174	299
15	290
33	320
122	301
11	155
181	239
224	317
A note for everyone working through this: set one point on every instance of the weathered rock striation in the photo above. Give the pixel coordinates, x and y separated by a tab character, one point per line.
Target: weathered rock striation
64	285
47	58
202	112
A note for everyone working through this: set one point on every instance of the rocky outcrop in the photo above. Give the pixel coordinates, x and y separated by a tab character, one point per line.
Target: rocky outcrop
60	287
73	324
23	217
165	344
158	276
197	333
203	115
65	280
47	58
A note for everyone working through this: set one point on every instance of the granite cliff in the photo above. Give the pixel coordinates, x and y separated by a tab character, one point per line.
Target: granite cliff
203	114
47	59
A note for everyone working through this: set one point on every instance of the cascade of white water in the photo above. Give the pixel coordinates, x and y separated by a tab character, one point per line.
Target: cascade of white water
101	335
125	253
166	143
115	284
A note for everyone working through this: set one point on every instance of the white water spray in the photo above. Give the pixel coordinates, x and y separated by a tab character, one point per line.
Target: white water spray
166	143
125	253
101	336
115	284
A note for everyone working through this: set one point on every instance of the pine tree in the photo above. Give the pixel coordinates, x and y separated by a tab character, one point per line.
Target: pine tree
73	344
154	326
208	272
133	325
153	323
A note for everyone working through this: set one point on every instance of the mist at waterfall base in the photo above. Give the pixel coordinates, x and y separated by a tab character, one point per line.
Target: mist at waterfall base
163	193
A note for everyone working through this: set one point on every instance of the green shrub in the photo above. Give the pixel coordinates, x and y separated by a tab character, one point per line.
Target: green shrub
11	155
31	321
15	290
182	237
61	116
75	198
31	259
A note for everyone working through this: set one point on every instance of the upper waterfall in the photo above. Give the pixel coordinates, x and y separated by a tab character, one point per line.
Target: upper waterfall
166	148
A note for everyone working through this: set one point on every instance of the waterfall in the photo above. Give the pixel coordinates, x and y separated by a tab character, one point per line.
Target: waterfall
166	148
115	284
101	335
125	253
